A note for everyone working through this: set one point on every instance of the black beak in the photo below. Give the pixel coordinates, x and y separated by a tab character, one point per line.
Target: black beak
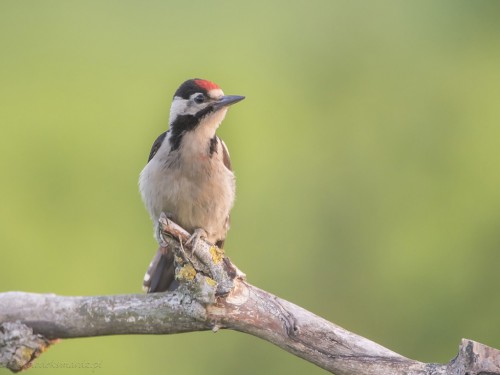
227	100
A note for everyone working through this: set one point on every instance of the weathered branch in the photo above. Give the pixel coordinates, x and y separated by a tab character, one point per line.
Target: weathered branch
213	295
246	309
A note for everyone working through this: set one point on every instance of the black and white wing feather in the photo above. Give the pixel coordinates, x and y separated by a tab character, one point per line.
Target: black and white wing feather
156	145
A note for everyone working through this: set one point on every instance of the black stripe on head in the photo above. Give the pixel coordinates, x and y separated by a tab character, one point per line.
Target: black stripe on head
179	127
188	88
186	123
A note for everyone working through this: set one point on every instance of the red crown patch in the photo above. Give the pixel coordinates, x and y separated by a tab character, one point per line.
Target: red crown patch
207	85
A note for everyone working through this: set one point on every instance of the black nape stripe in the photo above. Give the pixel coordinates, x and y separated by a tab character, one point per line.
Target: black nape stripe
179	127
175	140
186	123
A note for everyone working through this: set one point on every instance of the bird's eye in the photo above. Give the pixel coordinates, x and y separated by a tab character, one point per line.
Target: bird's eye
199	99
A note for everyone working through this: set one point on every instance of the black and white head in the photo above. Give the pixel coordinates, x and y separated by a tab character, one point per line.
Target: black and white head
198	105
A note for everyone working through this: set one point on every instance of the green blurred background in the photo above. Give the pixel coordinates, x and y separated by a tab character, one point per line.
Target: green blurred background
367	157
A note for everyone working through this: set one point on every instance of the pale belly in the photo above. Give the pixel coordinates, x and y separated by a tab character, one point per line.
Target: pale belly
194	199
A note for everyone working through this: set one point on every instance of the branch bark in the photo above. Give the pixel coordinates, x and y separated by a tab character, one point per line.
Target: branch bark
247	309
213	295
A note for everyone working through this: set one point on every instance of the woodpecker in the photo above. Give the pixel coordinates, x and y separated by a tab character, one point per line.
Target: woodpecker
188	175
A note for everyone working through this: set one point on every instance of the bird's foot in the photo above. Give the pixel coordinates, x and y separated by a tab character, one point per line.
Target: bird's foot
160	238
195	239
159	234
161	241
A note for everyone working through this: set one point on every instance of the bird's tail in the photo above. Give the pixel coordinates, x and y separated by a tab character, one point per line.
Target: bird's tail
160	275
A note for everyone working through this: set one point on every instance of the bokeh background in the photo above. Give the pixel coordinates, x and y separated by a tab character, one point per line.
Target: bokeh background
367	155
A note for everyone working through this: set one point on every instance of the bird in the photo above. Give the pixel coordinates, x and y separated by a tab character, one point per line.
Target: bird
189	176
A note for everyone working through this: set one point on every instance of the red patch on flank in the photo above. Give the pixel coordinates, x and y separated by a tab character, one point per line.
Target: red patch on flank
207	85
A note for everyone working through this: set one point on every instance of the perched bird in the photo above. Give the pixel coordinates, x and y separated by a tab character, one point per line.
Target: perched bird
188	175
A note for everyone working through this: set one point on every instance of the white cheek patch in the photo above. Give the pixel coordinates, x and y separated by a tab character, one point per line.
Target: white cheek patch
188	107
180	105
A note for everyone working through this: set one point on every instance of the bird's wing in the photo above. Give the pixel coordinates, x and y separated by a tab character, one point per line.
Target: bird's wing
225	155
227	163
156	145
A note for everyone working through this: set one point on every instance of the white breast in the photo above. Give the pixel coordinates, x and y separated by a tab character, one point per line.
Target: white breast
196	189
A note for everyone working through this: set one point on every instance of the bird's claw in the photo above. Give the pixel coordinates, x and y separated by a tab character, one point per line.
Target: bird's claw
160	238
159	233
194	240
163	243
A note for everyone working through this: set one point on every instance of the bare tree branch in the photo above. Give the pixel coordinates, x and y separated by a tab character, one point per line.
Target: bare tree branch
213	295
